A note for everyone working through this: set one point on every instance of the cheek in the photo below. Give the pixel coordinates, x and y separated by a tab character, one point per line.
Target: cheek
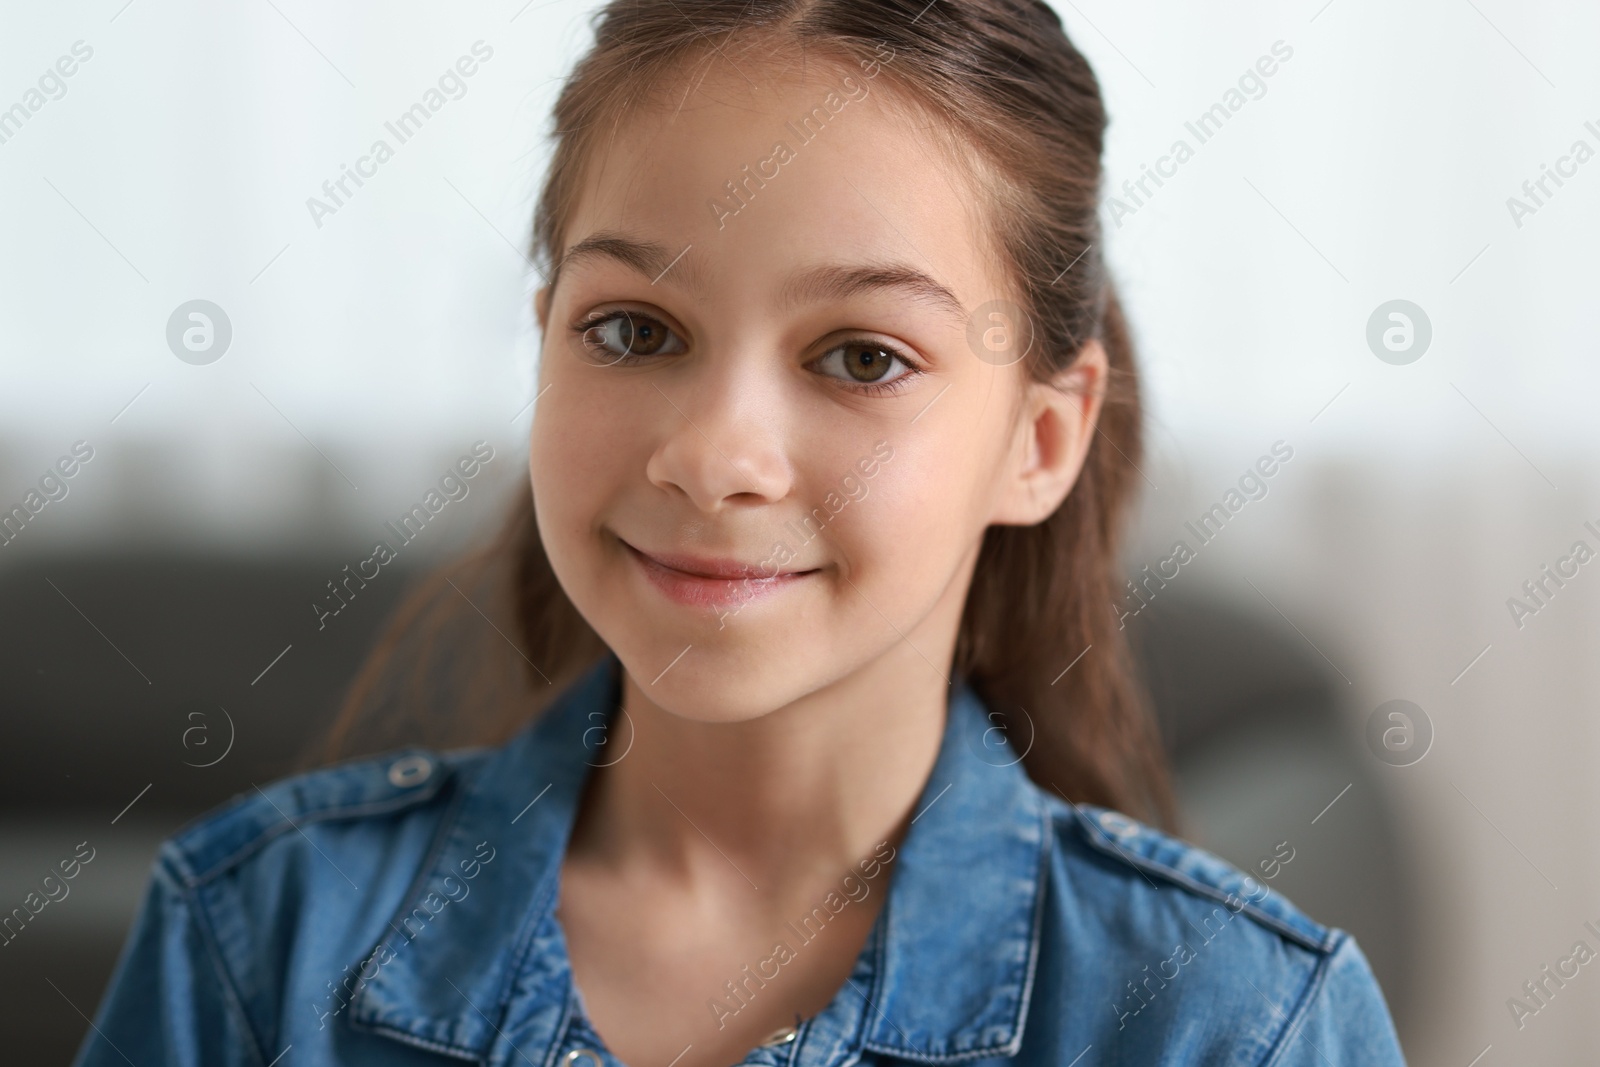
561	469
576	464
900	543
573	491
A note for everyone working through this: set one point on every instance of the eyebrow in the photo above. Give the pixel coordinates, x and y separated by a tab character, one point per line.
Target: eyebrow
830	281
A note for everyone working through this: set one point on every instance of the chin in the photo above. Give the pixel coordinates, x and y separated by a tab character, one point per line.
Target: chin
715	686
709	663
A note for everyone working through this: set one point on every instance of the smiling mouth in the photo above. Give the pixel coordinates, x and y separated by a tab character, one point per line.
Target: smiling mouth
710	582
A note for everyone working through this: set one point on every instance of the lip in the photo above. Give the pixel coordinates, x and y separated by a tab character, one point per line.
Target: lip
709	582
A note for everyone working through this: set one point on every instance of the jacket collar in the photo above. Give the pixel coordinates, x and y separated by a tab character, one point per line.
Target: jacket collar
477	967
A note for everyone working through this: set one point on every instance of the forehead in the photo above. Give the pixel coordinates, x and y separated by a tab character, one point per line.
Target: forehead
750	168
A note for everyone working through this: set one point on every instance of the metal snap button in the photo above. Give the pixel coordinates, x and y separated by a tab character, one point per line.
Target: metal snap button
1118	824
409	771
578	1053
780	1037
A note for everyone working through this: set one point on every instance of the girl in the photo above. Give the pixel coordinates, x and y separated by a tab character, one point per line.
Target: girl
839	757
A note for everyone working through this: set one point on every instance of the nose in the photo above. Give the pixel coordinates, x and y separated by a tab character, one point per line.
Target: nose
723	446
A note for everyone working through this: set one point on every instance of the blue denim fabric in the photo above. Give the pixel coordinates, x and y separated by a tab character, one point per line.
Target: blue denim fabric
401	910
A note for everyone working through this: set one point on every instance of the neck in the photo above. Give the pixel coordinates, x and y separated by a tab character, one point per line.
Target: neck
798	794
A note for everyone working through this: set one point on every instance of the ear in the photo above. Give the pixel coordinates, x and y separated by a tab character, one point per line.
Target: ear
1054	431
541	306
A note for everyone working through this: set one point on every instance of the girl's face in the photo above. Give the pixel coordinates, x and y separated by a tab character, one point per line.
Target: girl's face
766	450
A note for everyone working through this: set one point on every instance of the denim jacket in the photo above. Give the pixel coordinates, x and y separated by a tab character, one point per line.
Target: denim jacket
401	910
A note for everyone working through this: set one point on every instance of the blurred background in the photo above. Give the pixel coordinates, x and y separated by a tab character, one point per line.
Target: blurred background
158	650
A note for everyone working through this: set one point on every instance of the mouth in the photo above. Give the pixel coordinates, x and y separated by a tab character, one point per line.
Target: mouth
710	582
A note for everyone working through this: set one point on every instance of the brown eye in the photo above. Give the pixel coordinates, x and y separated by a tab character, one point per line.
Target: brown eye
623	335
865	363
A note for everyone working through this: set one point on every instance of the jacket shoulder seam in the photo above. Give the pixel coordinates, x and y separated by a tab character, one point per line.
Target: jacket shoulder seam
1101	841
362	1016
277	821
1314	983
213	947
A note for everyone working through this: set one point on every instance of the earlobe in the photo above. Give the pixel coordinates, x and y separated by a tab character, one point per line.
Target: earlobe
1054	435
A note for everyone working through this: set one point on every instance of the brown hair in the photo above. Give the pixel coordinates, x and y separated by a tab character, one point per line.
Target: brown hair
1016	96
